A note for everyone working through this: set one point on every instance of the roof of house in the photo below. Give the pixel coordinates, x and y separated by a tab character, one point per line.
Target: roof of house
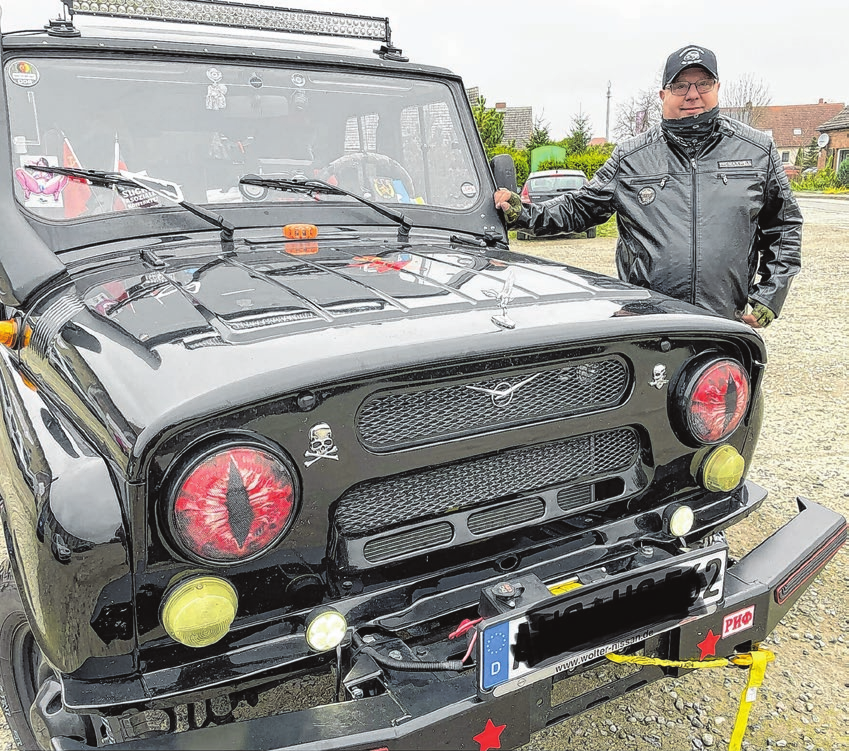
839	122
518	121
785	120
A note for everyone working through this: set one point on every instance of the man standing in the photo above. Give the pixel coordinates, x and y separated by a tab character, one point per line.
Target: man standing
704	209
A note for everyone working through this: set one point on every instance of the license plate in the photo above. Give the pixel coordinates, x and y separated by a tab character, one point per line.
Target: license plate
560	633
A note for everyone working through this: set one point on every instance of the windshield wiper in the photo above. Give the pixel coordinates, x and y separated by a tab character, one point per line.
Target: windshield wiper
304	185
162	188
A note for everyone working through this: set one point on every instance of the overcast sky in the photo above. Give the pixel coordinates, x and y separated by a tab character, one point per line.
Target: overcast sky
559	56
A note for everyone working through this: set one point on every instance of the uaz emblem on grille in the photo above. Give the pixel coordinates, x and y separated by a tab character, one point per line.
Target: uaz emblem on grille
502	394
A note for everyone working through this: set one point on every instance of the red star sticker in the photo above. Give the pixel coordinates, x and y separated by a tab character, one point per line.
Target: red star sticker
708	645
490	737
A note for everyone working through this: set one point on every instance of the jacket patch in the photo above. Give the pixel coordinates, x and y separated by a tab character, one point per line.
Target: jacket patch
646	196
735	163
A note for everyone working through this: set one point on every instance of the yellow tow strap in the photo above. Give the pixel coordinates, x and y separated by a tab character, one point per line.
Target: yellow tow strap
756	661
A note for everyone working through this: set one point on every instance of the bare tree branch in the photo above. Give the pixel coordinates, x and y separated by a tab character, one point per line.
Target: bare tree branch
745	98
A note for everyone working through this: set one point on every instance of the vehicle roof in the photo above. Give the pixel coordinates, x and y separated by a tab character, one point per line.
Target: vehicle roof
555	172
157	36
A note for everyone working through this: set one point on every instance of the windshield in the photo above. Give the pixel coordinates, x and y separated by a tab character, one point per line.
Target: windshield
389	139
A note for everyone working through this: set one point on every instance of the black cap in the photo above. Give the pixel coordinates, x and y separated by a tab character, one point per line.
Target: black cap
687	57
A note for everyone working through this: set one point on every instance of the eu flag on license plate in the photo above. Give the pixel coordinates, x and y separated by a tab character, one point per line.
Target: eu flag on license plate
496	655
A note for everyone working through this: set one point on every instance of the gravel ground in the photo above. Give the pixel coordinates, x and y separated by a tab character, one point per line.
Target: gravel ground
804	450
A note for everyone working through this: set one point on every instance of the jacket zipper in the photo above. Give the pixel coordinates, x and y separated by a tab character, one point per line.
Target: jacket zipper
694	221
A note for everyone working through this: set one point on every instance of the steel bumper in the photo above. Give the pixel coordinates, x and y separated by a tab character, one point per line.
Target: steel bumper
430	711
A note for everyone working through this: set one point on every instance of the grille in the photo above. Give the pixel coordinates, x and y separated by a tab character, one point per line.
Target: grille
508	515
405	543
382	504
393	421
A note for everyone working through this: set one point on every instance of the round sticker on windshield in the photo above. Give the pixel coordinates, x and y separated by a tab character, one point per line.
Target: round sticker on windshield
469	190
23	73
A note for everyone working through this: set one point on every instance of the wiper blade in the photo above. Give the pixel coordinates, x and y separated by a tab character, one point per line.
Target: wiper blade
162	188
310	186
486	240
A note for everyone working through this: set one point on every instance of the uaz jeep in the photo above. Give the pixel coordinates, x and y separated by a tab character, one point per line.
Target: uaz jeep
281	408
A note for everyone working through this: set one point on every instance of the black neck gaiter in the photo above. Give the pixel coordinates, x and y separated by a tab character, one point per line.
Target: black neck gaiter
691	132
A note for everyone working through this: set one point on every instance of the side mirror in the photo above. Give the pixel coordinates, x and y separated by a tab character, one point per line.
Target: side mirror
504	172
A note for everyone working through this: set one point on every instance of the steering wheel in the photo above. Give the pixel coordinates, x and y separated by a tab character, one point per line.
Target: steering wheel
372	175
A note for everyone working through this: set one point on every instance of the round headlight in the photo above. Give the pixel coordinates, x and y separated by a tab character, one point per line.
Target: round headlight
200	610
232	504
714	396
325	629
679	520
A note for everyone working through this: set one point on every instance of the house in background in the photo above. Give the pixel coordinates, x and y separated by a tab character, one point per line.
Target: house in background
837	142
791	126
518	121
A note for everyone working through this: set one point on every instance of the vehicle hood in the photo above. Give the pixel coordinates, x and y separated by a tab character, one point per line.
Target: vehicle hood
184	331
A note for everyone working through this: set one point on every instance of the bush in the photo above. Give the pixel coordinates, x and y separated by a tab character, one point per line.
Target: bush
588	161
843	174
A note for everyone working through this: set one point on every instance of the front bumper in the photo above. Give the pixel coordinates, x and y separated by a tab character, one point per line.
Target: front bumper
424	710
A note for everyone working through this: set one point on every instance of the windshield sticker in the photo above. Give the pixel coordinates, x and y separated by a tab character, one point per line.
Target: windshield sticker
469	190
23	73
216	92
298	79
41	187
255	81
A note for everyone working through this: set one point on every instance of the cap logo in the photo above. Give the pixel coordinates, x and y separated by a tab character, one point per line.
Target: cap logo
692	55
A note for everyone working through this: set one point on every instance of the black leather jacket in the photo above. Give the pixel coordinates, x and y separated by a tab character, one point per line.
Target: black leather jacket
700	229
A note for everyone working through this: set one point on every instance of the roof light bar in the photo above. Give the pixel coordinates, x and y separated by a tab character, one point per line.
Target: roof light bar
239	15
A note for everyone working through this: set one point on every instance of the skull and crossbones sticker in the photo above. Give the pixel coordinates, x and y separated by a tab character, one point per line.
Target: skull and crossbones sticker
321	445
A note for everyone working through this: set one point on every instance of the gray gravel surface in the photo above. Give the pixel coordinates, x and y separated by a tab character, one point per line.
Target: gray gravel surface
804	450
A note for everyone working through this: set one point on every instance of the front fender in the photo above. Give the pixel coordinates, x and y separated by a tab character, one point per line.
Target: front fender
65	530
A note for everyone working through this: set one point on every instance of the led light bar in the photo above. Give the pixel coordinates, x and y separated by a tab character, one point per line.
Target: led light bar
239	15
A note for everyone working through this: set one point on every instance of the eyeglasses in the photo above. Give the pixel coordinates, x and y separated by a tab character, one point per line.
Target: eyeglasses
681	88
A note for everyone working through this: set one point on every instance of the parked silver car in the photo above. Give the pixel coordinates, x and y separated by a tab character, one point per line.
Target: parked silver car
541	186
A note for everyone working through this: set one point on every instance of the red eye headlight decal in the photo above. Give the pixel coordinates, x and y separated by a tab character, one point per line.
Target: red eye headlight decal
715	399
233	505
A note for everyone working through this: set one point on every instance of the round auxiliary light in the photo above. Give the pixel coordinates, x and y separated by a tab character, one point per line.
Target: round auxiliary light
679	520
200	610
325	629
723	469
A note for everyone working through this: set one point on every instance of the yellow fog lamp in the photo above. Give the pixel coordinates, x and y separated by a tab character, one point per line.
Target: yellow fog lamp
325	629
200	610
723	469
679	520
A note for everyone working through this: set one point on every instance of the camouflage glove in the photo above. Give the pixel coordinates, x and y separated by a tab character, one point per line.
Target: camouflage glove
762	315
511	214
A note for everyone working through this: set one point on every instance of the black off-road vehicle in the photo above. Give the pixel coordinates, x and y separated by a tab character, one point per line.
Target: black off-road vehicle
281	409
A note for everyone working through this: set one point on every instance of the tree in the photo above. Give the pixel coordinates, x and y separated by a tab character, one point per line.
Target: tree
579	137
745	99
540	135
490	125
639	113
810	154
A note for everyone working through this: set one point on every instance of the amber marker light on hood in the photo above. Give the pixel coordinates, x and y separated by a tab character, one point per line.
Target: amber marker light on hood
200	610
300	231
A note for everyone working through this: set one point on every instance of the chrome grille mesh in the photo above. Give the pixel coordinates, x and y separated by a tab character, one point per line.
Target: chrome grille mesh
382	504
393	421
